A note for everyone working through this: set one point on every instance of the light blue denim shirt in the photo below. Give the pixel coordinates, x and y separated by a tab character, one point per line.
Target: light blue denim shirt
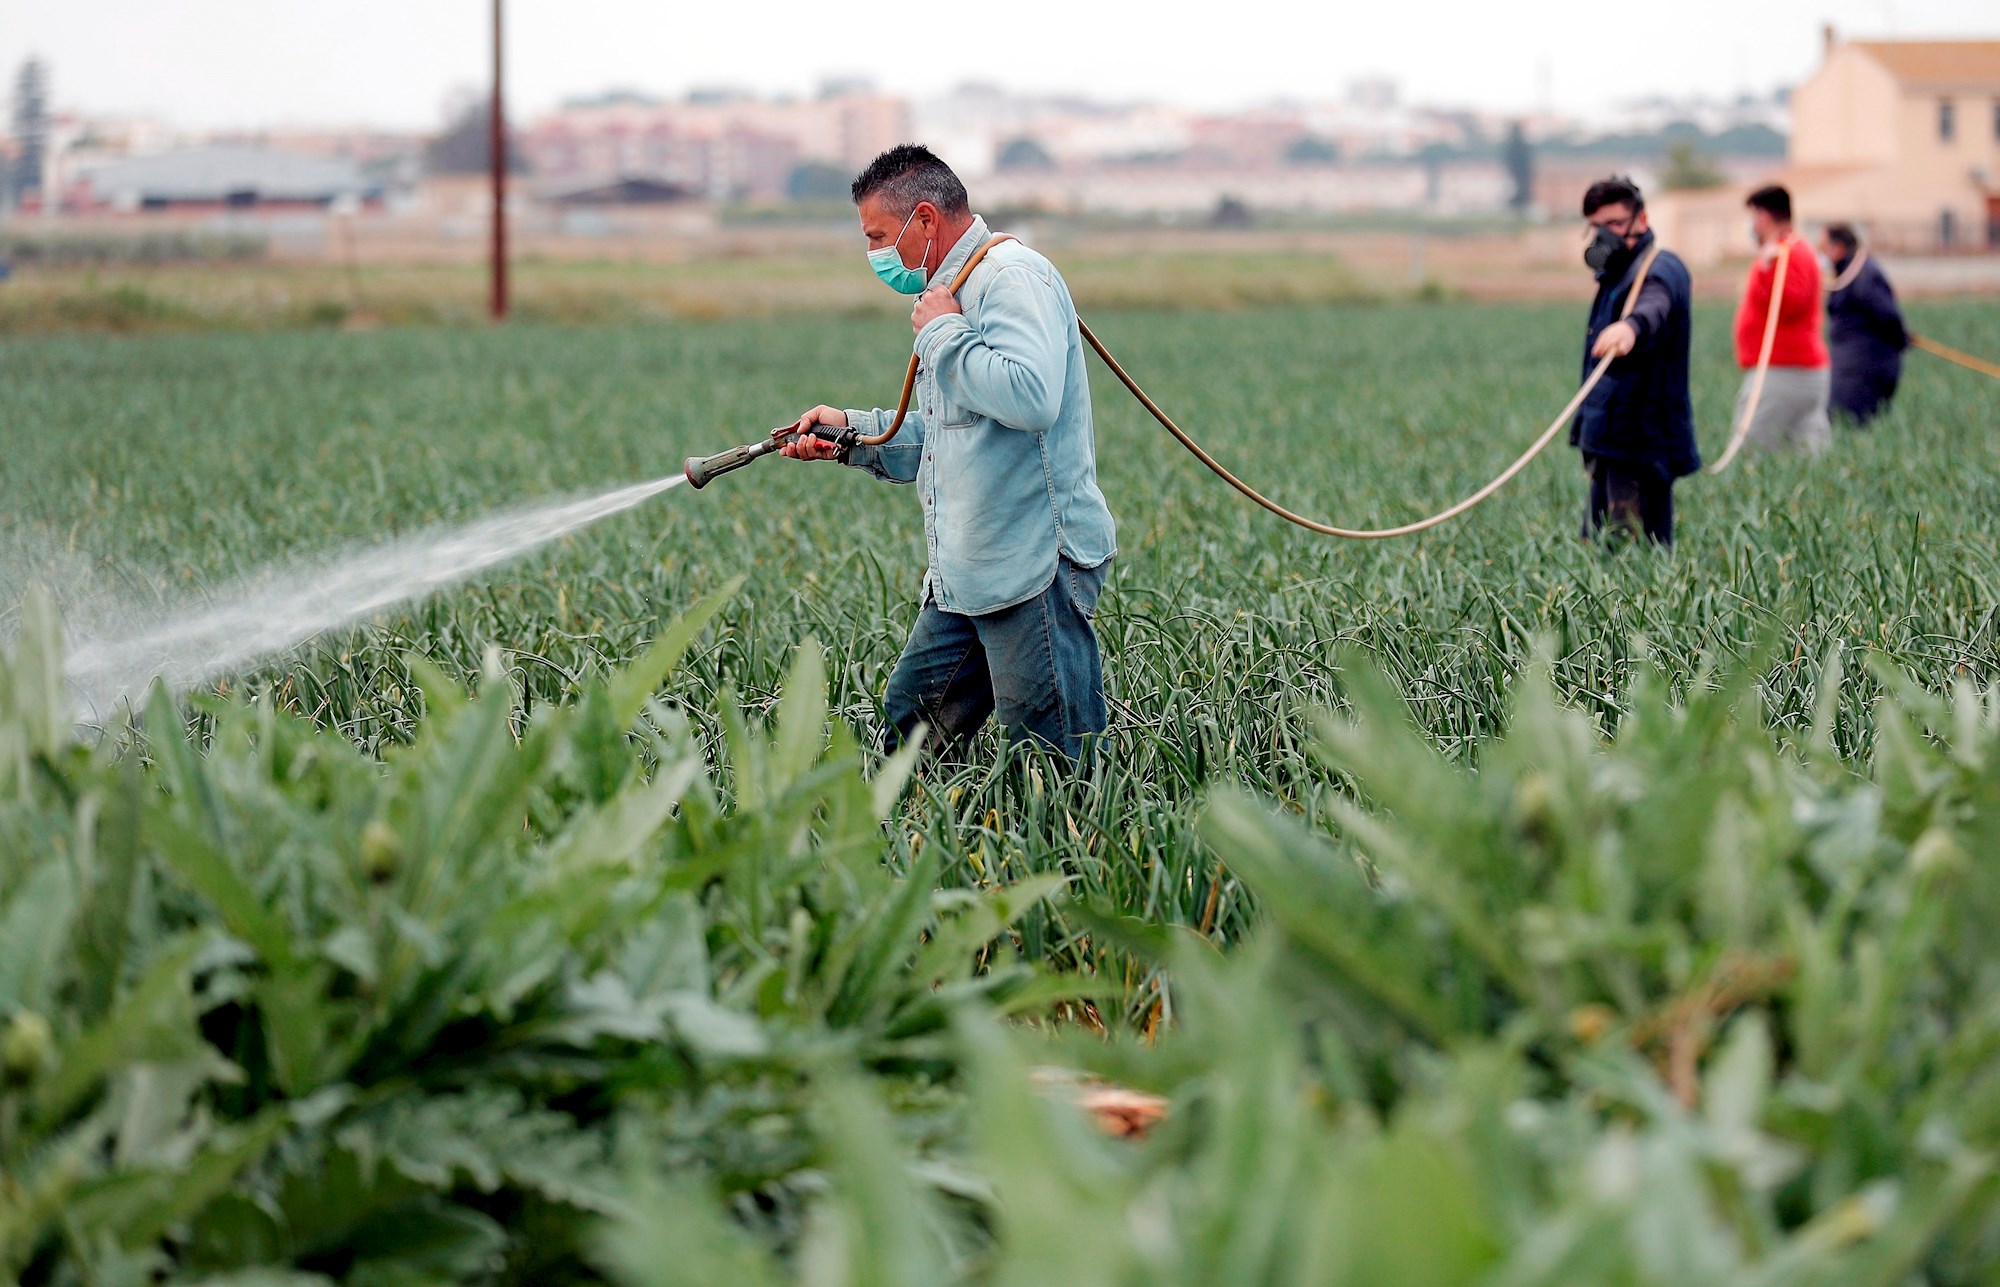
998	439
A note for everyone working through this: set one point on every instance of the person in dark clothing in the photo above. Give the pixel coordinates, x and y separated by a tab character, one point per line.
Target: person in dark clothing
1864	328
1636	429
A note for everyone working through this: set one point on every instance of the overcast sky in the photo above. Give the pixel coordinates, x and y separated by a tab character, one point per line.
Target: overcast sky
208	63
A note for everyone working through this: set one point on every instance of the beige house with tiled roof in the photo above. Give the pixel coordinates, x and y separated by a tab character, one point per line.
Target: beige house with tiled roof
1903	137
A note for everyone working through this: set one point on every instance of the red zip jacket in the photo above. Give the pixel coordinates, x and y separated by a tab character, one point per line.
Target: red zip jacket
1798	342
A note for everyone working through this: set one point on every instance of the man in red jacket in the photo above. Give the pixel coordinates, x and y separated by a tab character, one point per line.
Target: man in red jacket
1791	412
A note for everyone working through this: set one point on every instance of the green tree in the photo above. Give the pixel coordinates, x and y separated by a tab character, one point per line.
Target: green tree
816	181
1519	157
1311	149
31	124
1231	212
1024	154
466	146
1689	168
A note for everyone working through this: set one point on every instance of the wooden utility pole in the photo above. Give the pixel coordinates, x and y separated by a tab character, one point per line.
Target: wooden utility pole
497	137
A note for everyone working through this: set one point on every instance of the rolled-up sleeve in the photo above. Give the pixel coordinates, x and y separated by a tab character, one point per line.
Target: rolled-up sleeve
894	461
1012	368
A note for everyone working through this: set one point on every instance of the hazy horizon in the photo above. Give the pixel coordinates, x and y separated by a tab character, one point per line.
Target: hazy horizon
206	64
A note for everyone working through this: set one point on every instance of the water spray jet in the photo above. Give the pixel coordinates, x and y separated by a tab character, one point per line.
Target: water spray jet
270	615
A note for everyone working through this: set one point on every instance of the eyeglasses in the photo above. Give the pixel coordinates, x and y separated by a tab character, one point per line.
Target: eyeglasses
1621	227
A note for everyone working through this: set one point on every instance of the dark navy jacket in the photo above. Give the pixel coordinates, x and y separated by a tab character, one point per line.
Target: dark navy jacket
1640	412
1865	334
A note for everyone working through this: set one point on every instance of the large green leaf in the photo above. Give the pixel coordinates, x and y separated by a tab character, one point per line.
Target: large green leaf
678	1236
40	706
134	1207
630	689
34	932
153	1022
1059	1192
878	1227
1324	904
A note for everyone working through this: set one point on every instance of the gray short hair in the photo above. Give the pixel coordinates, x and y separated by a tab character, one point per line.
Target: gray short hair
908	174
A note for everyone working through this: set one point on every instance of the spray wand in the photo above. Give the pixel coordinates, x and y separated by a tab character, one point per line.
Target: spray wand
700	469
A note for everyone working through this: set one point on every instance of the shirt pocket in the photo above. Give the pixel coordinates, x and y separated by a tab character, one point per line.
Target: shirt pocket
953	415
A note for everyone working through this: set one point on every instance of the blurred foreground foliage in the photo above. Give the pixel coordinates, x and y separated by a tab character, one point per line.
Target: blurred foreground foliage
553	998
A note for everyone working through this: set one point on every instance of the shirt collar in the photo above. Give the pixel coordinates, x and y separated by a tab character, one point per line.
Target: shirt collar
961	250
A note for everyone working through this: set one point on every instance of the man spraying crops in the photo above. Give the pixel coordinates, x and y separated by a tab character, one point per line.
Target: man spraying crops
1000	447
1636	429
1791	405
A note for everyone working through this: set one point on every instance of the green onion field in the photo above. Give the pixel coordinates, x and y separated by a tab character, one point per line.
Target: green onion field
1488	908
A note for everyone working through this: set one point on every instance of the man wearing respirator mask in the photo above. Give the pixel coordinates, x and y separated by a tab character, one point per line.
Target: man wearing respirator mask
1636	429
1000	447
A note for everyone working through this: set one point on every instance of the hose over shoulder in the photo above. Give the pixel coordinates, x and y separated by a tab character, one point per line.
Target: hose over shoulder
910	376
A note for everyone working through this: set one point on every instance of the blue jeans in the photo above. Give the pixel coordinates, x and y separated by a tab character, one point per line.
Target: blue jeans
1034	665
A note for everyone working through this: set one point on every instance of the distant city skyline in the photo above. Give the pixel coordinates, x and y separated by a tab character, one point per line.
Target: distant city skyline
209	64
